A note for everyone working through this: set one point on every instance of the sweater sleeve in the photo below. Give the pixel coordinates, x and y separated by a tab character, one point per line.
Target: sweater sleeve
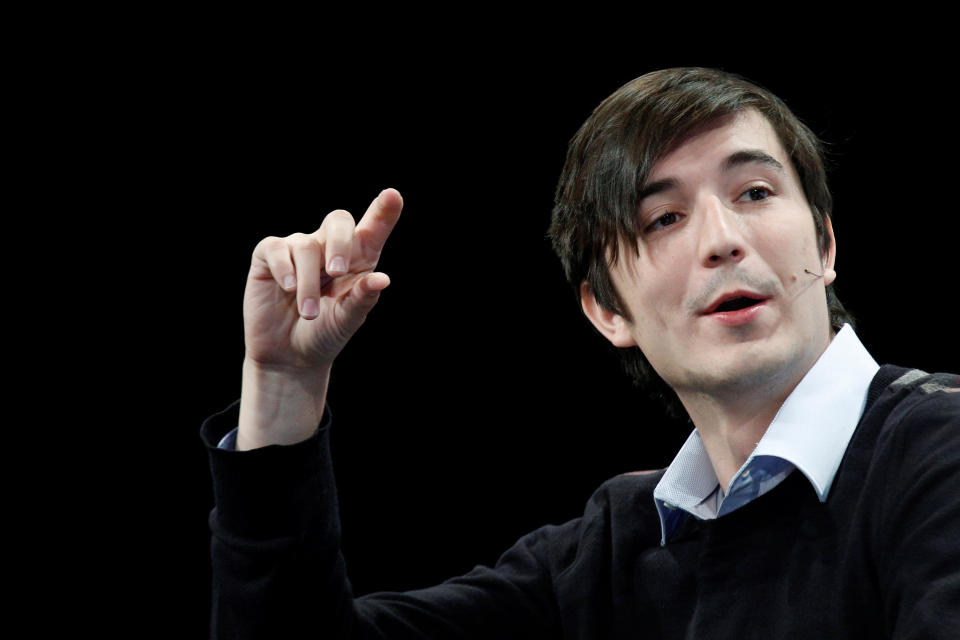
919	536
278	571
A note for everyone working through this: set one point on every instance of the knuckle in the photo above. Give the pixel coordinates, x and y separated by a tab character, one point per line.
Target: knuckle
340	214
302	242
338	223
267	243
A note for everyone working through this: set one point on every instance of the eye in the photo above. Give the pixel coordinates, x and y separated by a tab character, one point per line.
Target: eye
755	194
665	220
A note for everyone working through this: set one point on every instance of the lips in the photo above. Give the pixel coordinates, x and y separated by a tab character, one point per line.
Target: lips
734	301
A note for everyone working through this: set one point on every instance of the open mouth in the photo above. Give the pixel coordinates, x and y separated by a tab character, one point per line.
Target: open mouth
736	304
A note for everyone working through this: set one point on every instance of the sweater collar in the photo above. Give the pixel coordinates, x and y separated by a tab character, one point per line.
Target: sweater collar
810	432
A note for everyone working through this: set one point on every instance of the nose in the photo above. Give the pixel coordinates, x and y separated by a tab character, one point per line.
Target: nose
721	241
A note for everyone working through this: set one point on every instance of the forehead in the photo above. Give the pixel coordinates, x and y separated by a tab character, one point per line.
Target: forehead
706	147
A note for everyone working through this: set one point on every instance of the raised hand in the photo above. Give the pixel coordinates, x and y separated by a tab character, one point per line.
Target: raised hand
306	295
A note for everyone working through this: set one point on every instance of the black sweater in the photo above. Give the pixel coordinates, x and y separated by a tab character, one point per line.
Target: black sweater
880	558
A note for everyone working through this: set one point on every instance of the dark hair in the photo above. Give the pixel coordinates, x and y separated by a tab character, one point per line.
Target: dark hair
610	157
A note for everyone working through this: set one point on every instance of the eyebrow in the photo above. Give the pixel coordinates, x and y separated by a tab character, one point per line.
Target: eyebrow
731	162
750	156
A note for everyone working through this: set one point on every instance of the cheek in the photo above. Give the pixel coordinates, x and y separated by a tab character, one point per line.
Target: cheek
789	259
656	312
667	274
649	298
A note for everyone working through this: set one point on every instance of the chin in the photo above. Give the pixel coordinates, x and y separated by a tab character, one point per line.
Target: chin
749	368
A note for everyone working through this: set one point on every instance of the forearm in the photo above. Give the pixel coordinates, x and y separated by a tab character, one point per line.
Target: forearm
279	407
275	547
278	570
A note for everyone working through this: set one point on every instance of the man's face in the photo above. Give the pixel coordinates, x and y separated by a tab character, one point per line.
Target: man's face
724	216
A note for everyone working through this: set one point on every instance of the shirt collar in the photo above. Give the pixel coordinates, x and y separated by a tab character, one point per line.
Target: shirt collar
811	431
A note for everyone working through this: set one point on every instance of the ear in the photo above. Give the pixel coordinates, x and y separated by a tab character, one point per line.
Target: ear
830	257
614	327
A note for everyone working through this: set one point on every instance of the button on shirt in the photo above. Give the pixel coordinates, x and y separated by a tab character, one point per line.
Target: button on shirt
810	432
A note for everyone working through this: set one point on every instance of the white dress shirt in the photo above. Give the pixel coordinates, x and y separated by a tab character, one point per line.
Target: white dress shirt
810	432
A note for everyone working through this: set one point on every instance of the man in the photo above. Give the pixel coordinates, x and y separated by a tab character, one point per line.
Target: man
814	499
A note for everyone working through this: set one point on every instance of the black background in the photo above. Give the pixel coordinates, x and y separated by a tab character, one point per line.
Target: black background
476	403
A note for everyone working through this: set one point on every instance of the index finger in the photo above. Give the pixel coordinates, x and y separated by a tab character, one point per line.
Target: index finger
379	220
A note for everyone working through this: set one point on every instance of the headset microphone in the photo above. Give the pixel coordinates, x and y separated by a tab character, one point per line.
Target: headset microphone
819	275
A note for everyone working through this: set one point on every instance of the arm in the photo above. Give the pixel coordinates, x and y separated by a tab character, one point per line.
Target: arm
275	542
275	536
277	567
279	573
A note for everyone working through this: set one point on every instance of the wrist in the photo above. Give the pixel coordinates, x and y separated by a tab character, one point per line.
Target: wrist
279	406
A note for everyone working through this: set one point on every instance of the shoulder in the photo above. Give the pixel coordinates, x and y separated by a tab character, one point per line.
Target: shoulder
633	490
624	498
915	407
908	492
909	441
619	519
624	505
917	385
624	502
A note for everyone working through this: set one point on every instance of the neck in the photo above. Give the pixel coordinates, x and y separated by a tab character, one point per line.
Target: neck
731	430
731	419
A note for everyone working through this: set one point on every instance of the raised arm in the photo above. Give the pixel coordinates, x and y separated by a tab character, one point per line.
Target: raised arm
306	295
278	570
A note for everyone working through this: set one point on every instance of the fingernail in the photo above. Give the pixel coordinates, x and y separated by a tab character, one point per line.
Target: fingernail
309	308
338	265
288	282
